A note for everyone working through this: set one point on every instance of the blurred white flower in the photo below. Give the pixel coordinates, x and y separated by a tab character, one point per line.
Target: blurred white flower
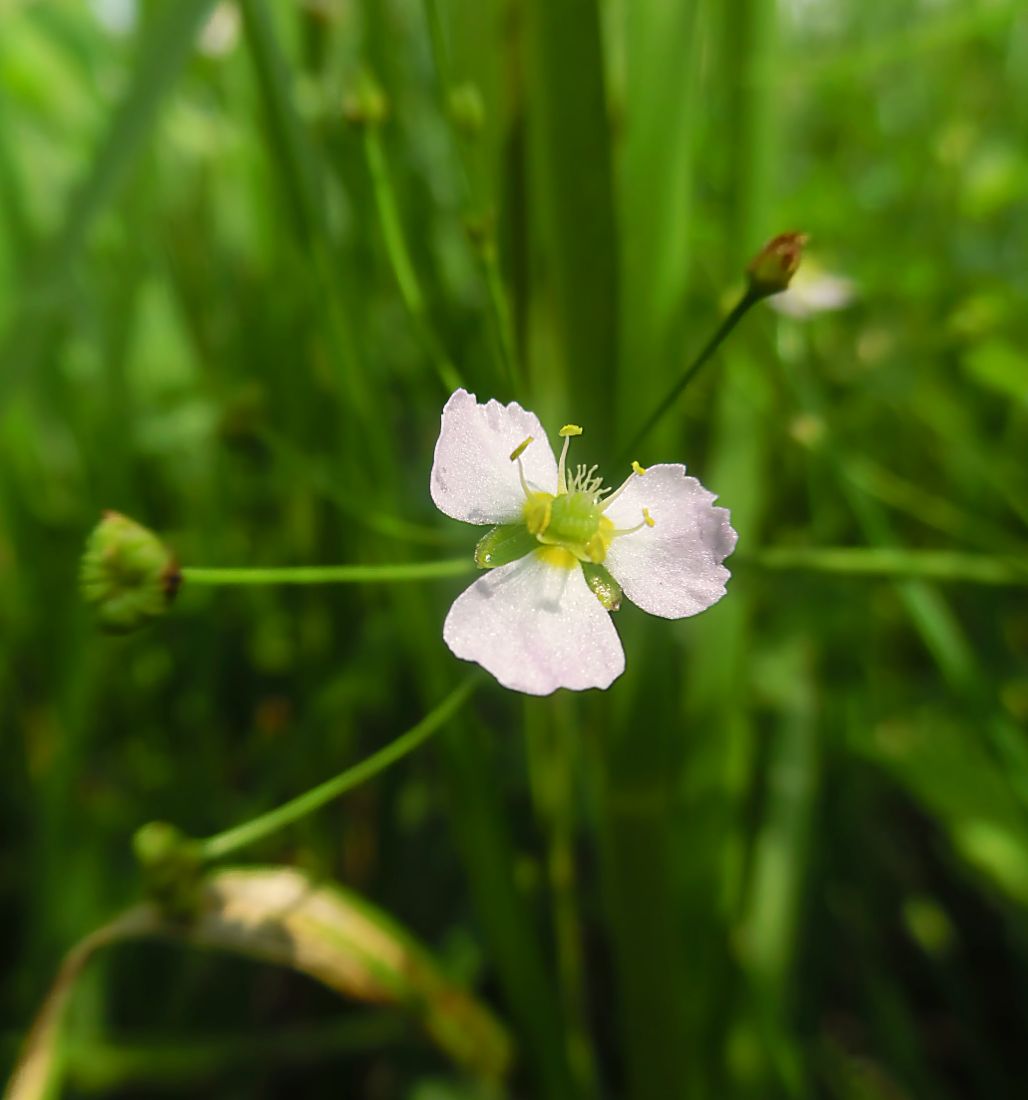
565	547
813	290
117	17
217	37
220	33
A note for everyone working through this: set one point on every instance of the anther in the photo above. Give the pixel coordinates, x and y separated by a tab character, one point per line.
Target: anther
647	521
519	450
515	456
637	469
566	433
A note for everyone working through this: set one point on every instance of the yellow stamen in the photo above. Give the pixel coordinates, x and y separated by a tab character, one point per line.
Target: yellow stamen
566	433
596	548
515	456
636	468
647	521
519	450
538	509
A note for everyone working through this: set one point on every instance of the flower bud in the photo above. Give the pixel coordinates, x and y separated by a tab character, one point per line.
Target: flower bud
467	109
170	864
127	573
481	233
773	267
366	105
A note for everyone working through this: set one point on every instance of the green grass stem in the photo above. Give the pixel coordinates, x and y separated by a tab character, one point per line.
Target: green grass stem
296	164
554	757
400	258
165	47
894	561
483	239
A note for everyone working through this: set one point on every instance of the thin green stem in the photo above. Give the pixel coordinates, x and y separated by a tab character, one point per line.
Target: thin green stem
296	164
749	297
948	565
102	1065
438	40
933	510
399	256
330	574
887	561
165	46
552	760
239	836
499	307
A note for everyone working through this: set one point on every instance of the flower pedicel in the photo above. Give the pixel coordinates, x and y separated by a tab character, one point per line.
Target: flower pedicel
563	548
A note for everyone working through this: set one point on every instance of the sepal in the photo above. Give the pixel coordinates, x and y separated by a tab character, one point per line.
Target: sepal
603	586
503	544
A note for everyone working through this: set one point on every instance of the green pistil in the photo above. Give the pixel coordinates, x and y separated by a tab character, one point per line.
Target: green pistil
574	518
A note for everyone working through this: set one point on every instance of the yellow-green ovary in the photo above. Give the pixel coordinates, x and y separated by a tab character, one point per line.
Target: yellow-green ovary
576	523
574	518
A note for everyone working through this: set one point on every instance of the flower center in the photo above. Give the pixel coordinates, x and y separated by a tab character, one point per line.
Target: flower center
570	524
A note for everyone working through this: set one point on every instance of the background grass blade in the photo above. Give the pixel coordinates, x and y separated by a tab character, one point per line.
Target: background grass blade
167	40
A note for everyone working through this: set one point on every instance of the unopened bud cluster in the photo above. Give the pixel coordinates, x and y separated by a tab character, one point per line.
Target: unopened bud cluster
366	105
127	574
170	864
467	109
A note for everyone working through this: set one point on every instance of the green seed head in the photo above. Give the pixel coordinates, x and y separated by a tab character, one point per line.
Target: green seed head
575	518
467	109
127	573
170	864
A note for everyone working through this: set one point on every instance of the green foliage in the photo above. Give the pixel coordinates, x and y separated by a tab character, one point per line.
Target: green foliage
245	252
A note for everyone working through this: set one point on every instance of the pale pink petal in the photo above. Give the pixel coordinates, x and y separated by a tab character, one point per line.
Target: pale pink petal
673	568
473	478
809	294
536	627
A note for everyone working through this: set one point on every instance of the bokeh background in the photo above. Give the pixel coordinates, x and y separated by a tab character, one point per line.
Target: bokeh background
246	251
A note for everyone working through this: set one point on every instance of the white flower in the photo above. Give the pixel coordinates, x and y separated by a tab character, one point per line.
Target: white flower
812	291
540	619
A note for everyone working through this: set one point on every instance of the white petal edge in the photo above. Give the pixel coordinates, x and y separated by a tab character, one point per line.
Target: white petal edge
473	478
536	627
672	569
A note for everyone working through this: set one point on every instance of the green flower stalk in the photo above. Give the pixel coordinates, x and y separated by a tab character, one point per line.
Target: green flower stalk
768	273
127	574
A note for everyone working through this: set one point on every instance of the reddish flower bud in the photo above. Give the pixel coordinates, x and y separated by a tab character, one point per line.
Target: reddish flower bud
773	267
